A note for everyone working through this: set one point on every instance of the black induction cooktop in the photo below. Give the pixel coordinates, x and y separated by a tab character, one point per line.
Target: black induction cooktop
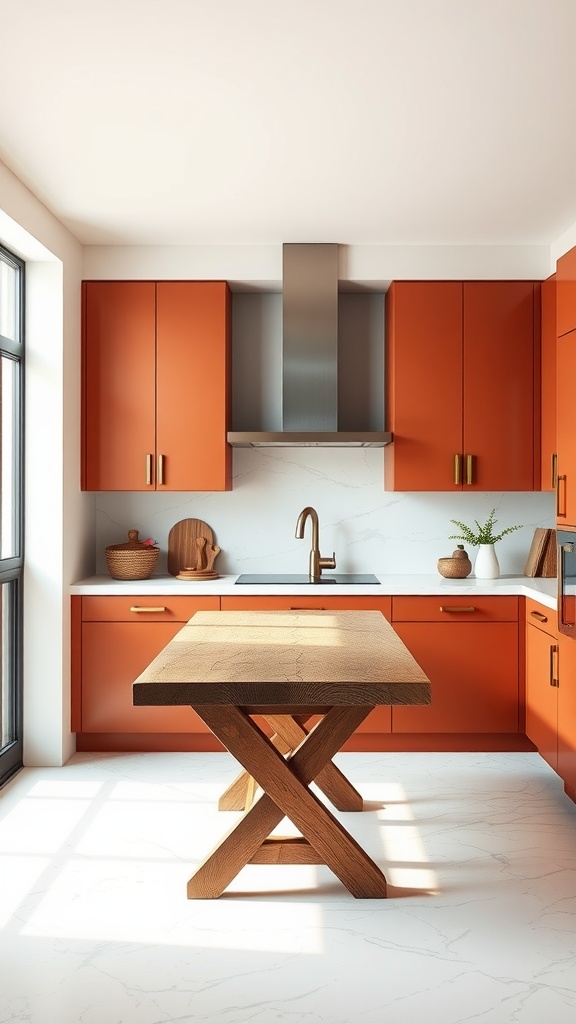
338	579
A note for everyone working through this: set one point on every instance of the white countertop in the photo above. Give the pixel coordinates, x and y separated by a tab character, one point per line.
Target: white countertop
542	590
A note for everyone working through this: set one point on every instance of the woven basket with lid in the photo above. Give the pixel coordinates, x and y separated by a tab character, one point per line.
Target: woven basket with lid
132	560
457	567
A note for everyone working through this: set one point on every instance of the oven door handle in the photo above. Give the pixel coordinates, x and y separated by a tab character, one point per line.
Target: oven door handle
563	550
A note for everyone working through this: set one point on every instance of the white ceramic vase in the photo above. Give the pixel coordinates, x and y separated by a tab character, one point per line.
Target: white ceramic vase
486	566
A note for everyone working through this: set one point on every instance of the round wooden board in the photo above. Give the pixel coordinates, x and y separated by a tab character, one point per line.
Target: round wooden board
182	548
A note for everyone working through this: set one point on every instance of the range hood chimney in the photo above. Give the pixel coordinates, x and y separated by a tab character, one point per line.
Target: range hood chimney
309	357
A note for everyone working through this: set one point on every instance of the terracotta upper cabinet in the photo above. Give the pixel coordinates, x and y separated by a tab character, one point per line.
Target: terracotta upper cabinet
548	385
156	386
460	385
566	287
566	448
423	384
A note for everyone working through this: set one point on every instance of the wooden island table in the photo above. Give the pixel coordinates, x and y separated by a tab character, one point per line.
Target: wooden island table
286	668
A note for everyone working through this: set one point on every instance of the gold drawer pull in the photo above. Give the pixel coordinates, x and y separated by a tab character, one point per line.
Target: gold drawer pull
458	608
149	608
553	665
560	477
149	470
304	608
469	459
539	616
457	469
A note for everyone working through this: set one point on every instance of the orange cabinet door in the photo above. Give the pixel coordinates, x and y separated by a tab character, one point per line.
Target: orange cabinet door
156	386
379	720
473	668
542	693
566	446
113	655
423	385
567	715
460	385
548	385
566	278
500	332
118	385
193	390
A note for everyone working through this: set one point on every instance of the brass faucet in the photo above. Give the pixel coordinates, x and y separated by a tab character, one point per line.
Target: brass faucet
317	563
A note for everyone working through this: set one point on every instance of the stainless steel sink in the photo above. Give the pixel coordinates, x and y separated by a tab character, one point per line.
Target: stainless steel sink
339	579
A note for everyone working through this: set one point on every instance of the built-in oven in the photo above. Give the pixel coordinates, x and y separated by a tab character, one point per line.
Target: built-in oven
566	540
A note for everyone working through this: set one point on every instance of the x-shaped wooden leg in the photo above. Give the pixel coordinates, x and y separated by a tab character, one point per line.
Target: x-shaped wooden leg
285	782
289	732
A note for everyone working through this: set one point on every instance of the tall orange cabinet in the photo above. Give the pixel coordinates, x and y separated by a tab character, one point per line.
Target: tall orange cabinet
565	438
566	389
156	391
461	383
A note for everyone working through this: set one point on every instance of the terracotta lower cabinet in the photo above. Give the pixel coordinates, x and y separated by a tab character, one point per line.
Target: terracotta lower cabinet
378	721
567	714
156	386
115	639
461	382
469	649
542	664
551	692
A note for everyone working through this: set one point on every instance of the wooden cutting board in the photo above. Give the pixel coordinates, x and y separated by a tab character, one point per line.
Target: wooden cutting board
183	551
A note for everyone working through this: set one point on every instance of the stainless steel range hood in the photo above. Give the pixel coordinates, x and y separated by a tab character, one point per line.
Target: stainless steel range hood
310	357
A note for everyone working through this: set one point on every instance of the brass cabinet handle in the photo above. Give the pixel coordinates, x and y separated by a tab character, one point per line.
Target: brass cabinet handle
148	469
469	459
304	608
539	616
147	608
554	470
554	680
457	608
457	469
160	476
559	477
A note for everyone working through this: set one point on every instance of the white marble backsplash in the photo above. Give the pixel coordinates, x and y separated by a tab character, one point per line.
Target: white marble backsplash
369	528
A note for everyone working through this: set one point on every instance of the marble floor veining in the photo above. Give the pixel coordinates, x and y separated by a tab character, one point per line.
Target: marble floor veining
480	925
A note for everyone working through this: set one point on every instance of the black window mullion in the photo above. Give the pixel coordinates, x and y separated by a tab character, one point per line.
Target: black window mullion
11	567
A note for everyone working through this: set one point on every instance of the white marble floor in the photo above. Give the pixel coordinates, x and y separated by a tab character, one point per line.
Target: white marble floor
480	926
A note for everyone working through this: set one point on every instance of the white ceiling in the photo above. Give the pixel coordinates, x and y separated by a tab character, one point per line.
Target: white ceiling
229	122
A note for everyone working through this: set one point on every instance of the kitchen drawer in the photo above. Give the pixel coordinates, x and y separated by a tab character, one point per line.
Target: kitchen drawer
139	608
467	608
543	618
296	602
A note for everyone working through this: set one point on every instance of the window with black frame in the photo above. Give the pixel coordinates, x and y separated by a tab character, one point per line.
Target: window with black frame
11	510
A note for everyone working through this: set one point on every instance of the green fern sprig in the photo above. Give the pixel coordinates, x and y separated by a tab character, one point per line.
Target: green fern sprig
484	535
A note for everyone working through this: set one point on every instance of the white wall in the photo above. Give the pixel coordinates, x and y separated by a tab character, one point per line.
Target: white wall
59	519
374	266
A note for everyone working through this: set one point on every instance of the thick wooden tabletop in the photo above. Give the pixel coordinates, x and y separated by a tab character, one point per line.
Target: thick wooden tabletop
290	660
